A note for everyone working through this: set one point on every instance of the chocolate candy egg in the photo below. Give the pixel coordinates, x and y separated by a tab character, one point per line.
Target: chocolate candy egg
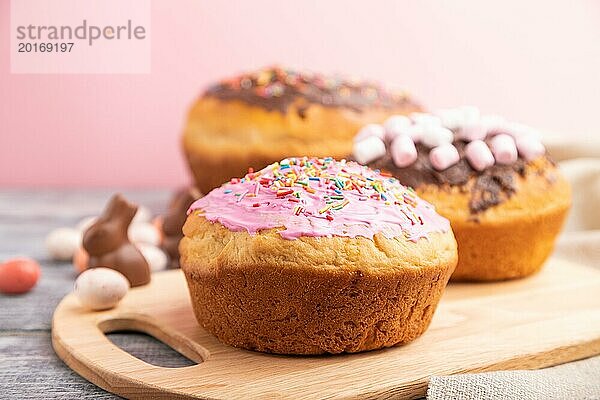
62	243
100	288
18	275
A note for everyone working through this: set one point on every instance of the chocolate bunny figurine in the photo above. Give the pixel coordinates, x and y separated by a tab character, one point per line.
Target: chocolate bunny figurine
173	222
108	245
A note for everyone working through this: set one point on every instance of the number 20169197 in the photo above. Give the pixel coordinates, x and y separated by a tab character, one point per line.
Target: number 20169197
26	47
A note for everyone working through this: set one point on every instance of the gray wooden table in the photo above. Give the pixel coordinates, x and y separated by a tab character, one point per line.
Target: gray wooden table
28	366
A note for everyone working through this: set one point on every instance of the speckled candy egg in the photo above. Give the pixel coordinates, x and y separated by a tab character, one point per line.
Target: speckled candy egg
144	232
18	275
155	257
101	288
62	243
143	214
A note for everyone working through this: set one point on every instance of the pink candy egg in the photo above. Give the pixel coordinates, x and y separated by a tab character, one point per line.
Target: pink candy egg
403	151
158	223
443	156
504	149
81	260
18	275
370	130
479	155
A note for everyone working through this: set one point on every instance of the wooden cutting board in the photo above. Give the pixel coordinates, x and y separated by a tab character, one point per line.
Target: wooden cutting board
548	319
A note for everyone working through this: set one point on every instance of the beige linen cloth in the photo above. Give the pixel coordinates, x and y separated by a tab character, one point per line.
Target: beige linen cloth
580	242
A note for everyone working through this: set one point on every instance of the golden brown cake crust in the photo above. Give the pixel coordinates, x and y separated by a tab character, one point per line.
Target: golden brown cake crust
313	295
223	138
512	239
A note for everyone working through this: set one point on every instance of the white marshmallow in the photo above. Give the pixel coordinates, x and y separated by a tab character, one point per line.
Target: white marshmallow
368	131
62	243
518	130
396	125
470	114
451	118
368	149
143	232
443	156
494	123
504	149
472	131
436	136
155	257
415	132
100	288
479	155
403	151
426	120
529	147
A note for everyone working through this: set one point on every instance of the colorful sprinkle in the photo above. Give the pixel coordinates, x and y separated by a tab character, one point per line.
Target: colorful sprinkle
387	206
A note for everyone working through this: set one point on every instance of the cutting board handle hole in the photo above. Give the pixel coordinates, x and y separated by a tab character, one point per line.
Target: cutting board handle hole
144	340
146	348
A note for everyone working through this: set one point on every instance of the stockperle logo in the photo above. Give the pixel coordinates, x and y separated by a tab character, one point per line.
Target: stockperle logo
80	36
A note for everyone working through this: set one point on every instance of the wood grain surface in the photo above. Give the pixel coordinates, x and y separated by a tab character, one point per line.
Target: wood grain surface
548	319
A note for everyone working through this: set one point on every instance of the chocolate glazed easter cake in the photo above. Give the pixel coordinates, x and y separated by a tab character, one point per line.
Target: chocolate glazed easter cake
257	118
492	179
312	256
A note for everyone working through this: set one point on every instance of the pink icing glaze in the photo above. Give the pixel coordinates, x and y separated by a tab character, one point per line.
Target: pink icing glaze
321	198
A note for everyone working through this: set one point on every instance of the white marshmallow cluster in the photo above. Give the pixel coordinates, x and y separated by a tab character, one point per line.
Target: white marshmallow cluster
438	130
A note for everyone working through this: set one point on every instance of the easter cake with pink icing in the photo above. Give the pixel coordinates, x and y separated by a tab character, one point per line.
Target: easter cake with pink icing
313	256
492	179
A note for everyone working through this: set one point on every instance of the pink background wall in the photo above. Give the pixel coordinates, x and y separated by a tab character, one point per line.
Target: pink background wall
537	62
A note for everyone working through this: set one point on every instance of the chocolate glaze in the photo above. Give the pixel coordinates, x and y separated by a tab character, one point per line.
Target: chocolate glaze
173	222
108	245
491	186
276	89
